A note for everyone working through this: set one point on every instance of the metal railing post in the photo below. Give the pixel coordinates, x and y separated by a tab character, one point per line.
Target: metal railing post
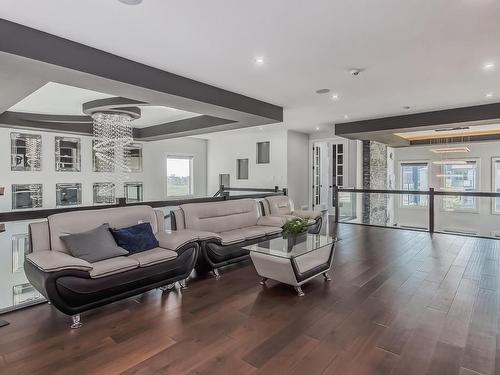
431	210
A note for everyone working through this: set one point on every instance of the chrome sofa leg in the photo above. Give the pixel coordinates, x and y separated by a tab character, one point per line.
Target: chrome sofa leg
299	291
327	276
263	281
216	273
76	321
183	284
167	287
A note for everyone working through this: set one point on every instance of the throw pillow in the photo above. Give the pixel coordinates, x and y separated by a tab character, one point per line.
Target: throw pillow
94	245
137	238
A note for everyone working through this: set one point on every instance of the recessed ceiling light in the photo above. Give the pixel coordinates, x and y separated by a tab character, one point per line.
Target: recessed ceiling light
489	66
317	128
261	128
259	60
322	91
335	97
406	107
130	2
346	117
489	95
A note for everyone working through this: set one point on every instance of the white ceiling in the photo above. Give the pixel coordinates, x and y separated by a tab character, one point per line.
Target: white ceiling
424	54
58	99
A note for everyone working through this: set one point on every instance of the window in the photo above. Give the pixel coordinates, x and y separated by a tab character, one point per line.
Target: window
26	196
104	192
25	152
68	194
179	176
25	293
133	192
263	151
20	248
496	184
134	157
459	175
68	154
242	169
414	176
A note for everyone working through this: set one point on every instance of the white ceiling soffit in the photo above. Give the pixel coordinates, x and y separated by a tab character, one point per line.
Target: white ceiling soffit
424	54
58	99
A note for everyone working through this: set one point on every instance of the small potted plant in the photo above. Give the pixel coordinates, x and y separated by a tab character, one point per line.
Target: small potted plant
295	229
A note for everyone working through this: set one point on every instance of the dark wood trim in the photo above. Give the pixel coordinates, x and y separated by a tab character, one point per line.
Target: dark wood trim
9	216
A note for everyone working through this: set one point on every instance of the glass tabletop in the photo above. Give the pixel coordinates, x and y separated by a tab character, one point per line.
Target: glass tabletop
291	247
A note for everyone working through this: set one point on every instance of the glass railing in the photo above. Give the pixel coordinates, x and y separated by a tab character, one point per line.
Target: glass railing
456	212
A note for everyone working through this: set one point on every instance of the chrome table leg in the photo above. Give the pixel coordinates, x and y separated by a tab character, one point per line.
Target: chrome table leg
76	321
299	291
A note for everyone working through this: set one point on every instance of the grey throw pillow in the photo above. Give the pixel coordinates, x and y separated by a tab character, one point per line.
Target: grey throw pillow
95	245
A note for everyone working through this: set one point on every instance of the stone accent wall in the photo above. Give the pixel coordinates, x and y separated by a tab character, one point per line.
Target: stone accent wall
374	177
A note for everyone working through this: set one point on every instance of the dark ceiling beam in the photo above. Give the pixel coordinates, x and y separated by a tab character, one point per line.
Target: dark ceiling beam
419	120
57	123
23	41
179	126
83	124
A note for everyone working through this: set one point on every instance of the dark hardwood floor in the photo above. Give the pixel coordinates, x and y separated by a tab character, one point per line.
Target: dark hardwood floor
400	302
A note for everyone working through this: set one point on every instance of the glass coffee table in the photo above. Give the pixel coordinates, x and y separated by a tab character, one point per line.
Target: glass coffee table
293	260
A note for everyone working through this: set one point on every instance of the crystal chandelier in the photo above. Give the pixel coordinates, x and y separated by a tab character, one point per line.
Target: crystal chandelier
112	134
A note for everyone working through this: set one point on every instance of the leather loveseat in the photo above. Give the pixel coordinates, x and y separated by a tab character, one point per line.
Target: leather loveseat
74	285
224	228
281	206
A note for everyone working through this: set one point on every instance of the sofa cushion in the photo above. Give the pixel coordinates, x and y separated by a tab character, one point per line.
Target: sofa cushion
111	266
279	205
94	245
221	216
81	221
272	221
153	256
268	230
53	261
176	239
137	238
239	235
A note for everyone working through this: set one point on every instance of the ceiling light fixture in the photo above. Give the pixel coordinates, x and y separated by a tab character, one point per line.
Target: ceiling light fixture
322	91
130	2
346	117
449	150
317	128
489	95
489	66
335	97
452	129
259	60
407	107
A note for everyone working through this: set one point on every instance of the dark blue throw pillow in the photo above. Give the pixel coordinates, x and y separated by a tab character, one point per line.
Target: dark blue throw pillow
136	238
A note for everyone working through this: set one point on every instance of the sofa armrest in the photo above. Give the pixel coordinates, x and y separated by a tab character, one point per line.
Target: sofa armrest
52	261
272	221
174	240
307	214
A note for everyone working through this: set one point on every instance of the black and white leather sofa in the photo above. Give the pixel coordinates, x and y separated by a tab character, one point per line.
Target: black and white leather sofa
224	228
74	285
282	206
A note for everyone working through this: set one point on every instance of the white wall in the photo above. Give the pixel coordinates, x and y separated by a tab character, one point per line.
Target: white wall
225	147
298	168
483	221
